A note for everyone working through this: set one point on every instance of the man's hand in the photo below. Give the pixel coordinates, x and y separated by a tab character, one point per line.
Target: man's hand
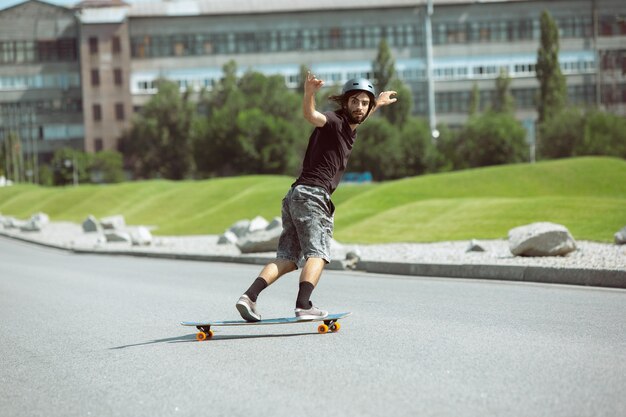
312	84
384	98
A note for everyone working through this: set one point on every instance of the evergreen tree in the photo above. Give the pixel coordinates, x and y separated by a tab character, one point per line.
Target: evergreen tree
474	104
552	89
385	76
383	66
503	99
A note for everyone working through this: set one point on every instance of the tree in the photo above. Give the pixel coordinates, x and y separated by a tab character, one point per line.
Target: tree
603	135
418	153
253	126
492	139
552	89
378	150
383	66
562	134
503	99
69	164
474	104
302	78
385	78
158	144
107	167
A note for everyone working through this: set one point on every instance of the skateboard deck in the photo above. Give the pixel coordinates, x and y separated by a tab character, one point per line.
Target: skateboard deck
331	323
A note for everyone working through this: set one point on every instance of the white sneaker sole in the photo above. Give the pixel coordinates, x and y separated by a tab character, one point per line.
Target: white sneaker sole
311	317
246	313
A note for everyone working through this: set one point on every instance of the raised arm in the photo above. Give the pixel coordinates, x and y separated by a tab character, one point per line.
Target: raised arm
311	86
384	99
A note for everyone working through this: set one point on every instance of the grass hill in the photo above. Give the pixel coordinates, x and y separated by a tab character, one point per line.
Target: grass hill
588	195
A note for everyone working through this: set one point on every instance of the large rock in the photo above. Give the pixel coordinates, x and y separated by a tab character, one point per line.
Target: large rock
91	224
13	223
257	224
260	241
117	236
620	237
35	223
240	228
227	238
276	222
140	236
113	223
541	239
475	246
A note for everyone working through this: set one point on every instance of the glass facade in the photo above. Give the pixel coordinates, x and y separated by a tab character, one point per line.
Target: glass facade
57	50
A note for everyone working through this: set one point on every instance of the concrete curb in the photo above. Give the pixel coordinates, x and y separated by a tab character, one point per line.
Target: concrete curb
566	276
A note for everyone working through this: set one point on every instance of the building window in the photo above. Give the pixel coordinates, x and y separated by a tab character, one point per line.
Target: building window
95	77
119	111
97	112
116	45
98	144
117	76
93	45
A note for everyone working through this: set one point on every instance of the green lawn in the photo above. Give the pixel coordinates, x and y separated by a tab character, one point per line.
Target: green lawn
588	195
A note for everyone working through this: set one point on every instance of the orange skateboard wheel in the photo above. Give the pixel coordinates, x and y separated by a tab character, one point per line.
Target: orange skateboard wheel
200	336
322	328
335	327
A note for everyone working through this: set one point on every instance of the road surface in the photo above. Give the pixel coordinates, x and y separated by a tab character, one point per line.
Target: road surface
93	335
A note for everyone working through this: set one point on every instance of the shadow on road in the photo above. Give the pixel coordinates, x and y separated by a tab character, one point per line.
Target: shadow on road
217	338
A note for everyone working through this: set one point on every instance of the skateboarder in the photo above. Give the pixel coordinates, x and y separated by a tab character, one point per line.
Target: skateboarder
307	210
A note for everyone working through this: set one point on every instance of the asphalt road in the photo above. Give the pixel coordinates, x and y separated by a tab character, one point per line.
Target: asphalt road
89	335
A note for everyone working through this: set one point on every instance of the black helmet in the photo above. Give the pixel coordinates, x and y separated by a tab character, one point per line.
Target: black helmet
360	84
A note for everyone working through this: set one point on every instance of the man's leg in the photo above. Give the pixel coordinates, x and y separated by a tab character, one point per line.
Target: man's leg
270	273
309	278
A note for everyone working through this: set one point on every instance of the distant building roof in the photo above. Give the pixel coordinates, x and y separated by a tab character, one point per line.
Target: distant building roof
99	3
102	15
221	7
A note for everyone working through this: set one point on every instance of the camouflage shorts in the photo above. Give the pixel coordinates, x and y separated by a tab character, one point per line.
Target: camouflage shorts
307	214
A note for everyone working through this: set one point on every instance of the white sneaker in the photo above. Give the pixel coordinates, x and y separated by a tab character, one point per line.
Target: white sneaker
247	309
310	314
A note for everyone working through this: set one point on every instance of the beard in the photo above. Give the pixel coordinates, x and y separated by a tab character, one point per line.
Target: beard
355	119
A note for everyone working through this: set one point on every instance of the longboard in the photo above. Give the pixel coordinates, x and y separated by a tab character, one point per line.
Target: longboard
331	323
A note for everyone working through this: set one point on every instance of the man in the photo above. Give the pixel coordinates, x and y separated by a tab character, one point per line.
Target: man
307	210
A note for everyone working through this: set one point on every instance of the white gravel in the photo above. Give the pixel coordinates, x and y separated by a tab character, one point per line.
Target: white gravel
589	255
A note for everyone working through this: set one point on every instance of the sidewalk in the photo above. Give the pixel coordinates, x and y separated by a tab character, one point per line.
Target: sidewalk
594	264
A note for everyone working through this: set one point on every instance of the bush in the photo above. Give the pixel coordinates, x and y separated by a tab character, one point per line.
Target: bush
492	139
604	134
561	135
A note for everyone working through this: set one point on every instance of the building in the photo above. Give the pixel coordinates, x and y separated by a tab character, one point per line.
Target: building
80	73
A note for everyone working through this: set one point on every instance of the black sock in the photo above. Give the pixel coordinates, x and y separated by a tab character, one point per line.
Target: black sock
306	288
257	286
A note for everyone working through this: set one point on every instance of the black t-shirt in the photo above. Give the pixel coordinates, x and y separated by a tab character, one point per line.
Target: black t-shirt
327	153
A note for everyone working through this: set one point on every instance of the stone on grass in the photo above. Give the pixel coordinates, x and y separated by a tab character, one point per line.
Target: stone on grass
620	236
113	223
140	236
117	236
91	224
261	241
541	239
257	224
240	228
475	246
228	238
35	223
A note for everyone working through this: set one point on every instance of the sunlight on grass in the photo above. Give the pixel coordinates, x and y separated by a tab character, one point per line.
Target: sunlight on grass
588	195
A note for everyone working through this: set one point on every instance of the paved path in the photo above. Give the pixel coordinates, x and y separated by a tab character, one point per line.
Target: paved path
86	335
